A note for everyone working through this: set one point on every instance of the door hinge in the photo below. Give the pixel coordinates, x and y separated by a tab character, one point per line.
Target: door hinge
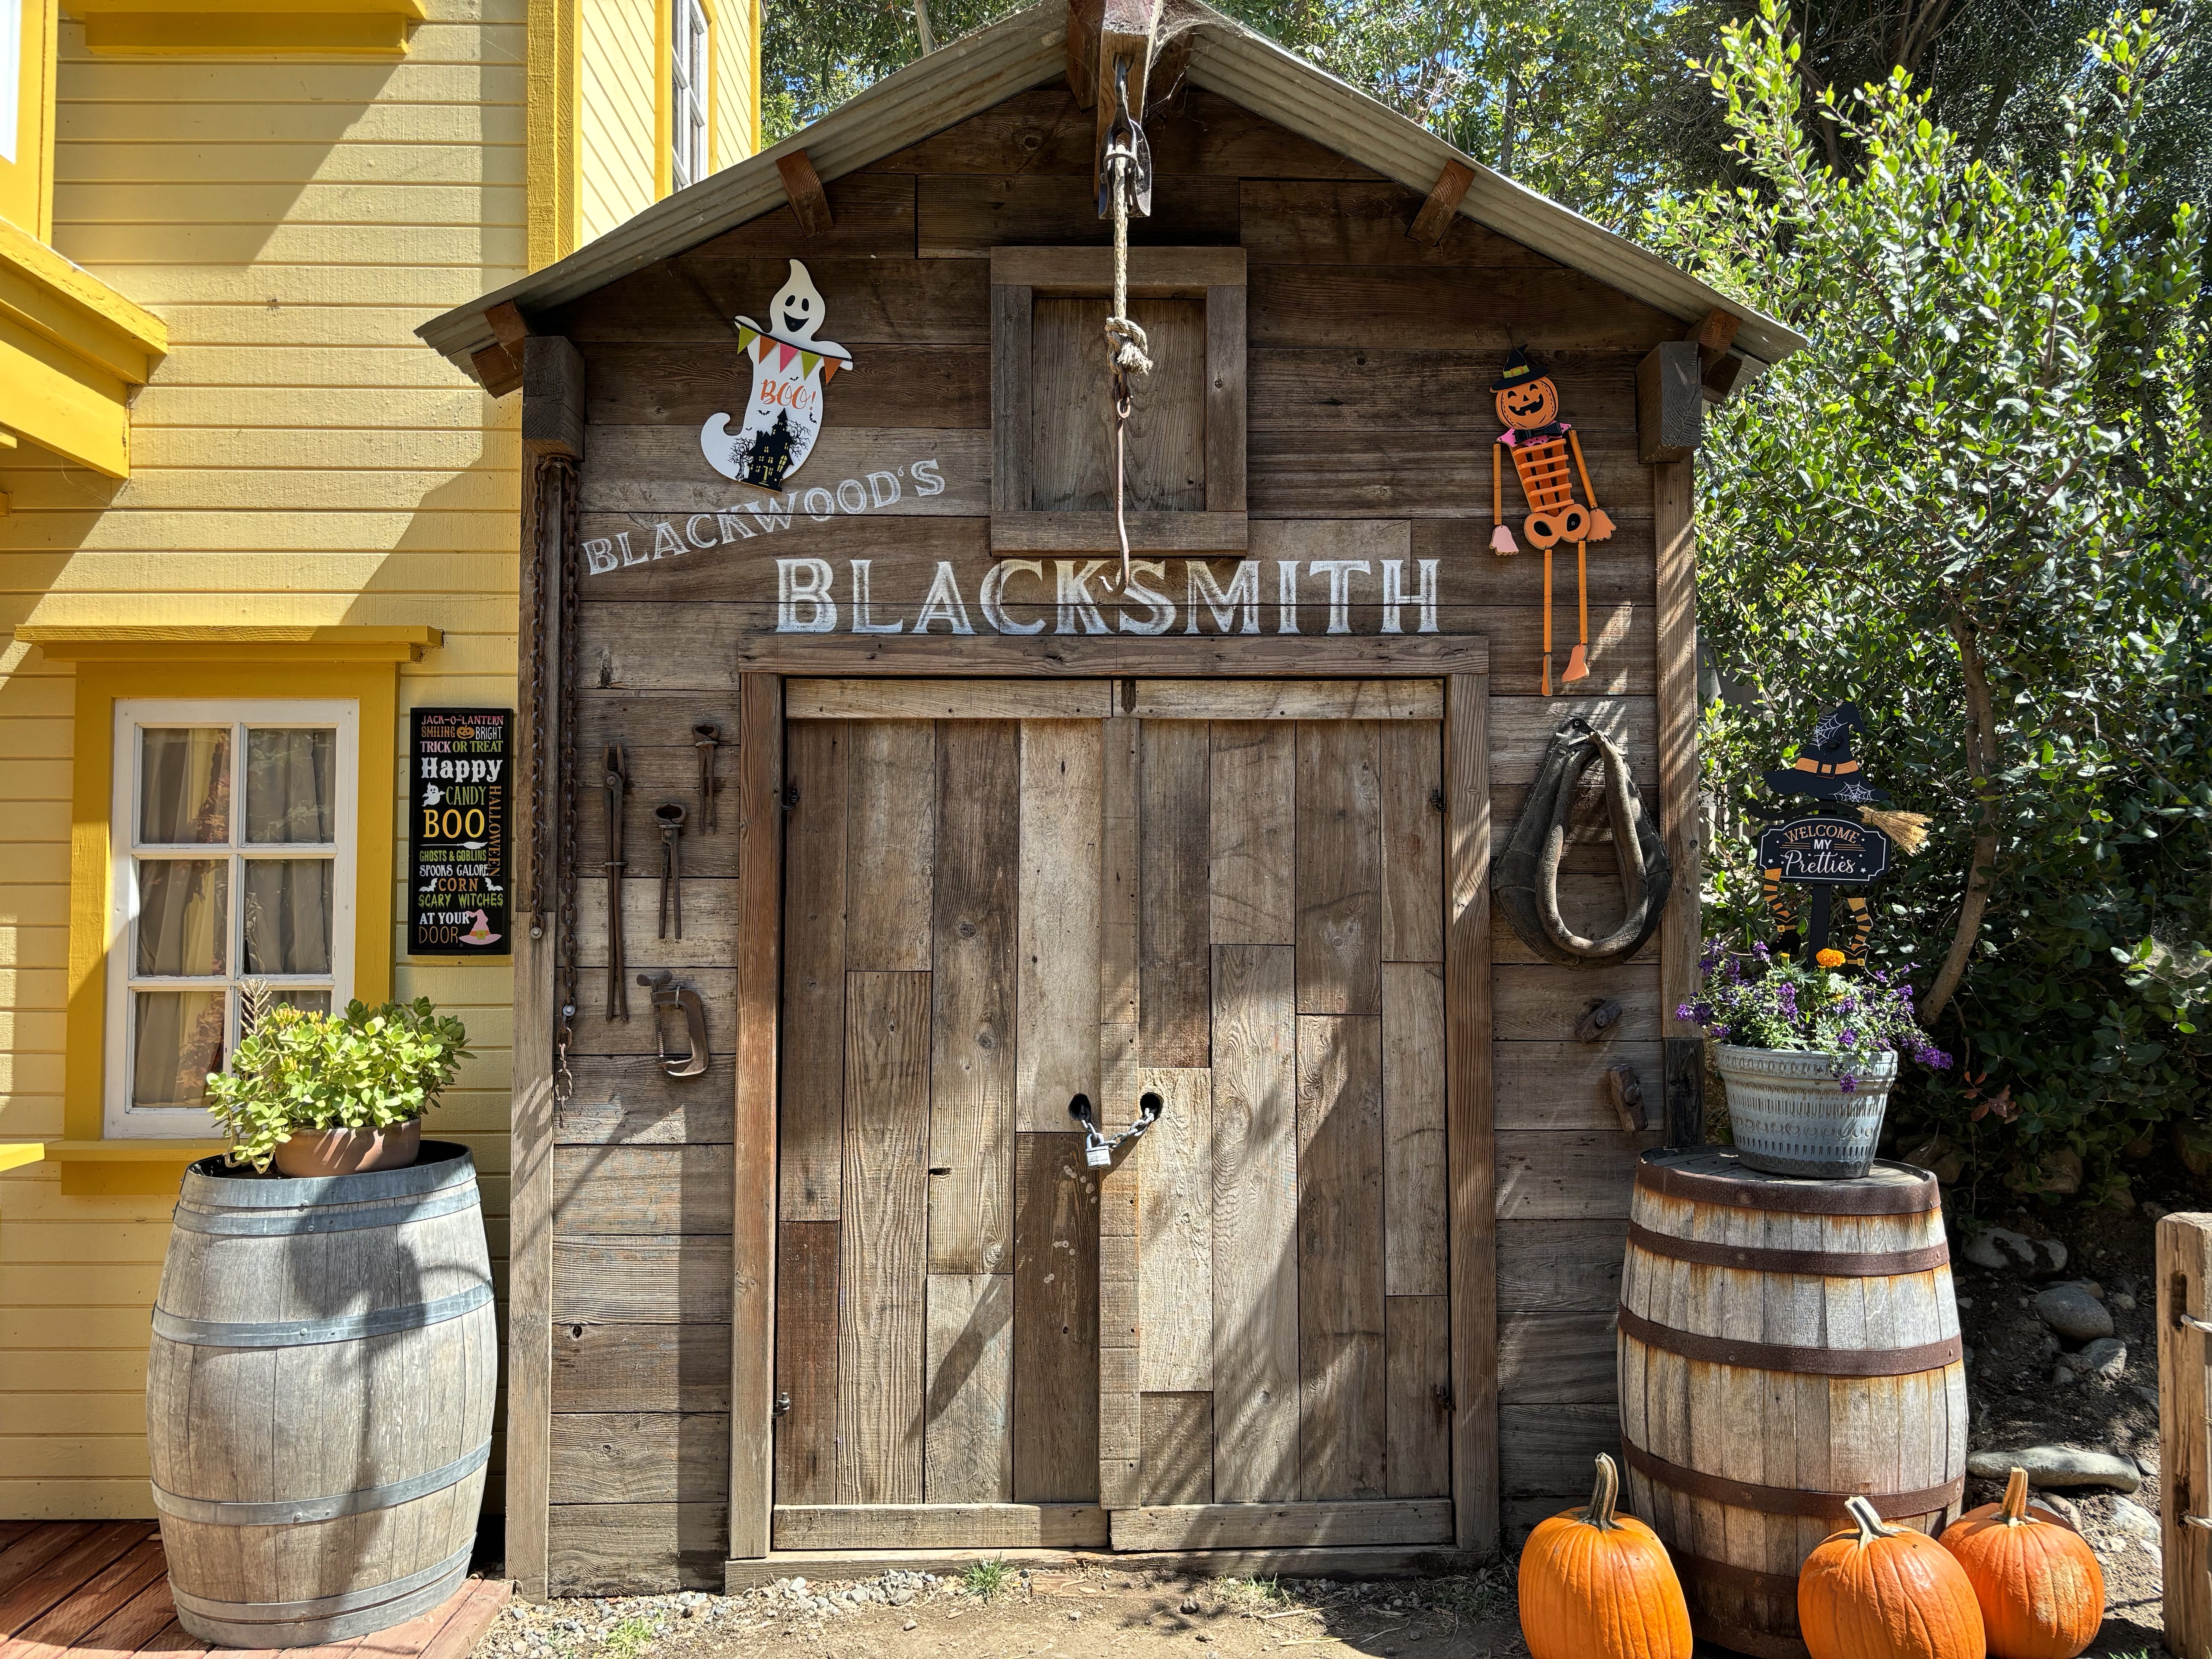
783	1405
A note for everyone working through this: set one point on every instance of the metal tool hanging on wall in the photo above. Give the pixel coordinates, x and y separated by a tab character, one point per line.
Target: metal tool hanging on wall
1098	1146
1527	879
666	993
618	787
670	816
1124	191
706	737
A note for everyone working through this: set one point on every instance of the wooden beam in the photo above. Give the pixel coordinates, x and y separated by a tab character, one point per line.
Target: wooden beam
940	1526
1177	535
1153	272
808	199
2184	1429
1083	51
1387	1561
760	990
1284	1526
1126	31
497	370
1716	371
1680	941
1670	402
552	397
1435	219
507	326
1470	1153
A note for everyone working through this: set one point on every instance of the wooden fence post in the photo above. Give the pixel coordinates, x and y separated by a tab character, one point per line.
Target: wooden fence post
2184	1330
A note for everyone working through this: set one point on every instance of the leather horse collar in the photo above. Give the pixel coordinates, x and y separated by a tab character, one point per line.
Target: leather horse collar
1527	882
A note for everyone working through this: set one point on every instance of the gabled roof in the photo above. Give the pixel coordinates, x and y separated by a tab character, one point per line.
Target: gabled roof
1018	53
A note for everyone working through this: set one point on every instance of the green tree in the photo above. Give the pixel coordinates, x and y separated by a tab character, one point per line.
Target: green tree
1977	505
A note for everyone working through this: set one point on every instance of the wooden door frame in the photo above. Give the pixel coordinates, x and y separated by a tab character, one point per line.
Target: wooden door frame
1468	1115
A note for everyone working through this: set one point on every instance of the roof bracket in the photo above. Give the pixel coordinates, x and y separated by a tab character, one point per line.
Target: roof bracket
1716	369
808	199
1434	222
499	365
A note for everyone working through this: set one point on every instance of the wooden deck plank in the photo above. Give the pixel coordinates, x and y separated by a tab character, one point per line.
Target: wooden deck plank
171	1639
131	1626
12	1532
80	1559
30	1553
88	1603
474	1609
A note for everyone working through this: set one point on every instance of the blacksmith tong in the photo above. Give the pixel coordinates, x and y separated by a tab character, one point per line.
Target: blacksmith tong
618	785
666	993
670	816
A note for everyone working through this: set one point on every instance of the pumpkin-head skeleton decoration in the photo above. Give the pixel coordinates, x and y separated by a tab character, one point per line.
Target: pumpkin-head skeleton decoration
1547	457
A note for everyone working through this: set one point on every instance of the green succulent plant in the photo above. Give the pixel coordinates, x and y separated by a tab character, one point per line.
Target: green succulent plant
296	1069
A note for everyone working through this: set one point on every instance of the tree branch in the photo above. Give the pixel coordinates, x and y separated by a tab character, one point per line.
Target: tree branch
1981	745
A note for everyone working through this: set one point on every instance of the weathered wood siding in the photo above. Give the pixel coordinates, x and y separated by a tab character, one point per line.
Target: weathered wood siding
1370	422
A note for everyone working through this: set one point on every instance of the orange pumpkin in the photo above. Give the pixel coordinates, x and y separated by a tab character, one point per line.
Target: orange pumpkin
1597	1585
2041	1591
1874	1591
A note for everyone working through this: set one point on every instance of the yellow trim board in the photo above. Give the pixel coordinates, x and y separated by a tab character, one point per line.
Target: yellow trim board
150	1149
554	71
169	35
15	1155
51	295
72	350
157	642
244	669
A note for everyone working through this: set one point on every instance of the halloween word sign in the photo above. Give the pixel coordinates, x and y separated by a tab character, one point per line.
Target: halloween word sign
702	531
1825	851
790	370
458	791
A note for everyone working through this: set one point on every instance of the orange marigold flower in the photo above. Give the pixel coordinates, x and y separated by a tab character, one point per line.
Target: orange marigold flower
1830	958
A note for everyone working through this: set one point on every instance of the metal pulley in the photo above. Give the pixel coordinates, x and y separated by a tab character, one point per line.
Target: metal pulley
1125	143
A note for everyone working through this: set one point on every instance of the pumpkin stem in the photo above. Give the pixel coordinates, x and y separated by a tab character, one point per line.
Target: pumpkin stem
1871	1523
2013	1510
1603	1495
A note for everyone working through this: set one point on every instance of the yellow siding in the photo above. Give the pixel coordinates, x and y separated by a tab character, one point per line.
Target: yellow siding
620	80
299	457
737	81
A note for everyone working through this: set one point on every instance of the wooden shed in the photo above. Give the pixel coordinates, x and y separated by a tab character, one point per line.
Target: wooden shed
997	838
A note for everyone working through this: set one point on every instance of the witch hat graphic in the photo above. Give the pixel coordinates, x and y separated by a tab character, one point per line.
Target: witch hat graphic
1825	769
482	932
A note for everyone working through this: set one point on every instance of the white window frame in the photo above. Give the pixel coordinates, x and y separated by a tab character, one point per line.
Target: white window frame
120	1119
688	54
11	79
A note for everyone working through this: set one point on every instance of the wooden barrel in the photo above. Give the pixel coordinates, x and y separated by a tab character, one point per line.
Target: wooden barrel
1784	1344
319	1398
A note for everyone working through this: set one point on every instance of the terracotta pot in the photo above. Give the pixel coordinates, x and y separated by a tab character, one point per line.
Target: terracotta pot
314	1152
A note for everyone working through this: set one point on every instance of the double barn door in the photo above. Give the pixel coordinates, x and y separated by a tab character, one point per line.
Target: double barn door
1009	902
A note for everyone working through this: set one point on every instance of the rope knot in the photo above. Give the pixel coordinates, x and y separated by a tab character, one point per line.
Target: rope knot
1126	345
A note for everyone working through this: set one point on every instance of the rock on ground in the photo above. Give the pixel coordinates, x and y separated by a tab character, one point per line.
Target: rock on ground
2075	1312
2001	1249
2058	1465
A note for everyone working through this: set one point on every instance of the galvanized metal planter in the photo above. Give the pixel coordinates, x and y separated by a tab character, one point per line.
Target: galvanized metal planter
1791	1114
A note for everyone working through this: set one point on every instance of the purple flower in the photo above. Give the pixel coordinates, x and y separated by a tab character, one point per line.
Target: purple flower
1851	1039
1848	1006
1849	1084
1720	1030
1758	949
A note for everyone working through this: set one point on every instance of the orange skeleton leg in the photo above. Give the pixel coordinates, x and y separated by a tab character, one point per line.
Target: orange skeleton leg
1601	526
1547	622
1578	658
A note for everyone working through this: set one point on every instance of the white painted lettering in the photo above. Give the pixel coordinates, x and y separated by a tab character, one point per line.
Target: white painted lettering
1339	572
1072	591
1162	607
622	540
778	516
927	480
884	493
1201	588
805	583
862	622
1286	597
1394	598
665	542
853	495
993	590
827	509
942	602
732	527
599	555
691	529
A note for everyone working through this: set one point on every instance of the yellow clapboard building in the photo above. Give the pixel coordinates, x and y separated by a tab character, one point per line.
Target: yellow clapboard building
246	524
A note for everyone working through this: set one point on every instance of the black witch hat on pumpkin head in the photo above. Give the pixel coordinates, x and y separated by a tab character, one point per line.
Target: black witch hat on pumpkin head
1824	768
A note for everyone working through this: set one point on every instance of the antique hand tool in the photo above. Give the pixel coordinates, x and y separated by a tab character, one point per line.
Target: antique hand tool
706	737
618	785
668	995
670	816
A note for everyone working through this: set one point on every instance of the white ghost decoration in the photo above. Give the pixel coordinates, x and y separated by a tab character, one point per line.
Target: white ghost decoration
789	368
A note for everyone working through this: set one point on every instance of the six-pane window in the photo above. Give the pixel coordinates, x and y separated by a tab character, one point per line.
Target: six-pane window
234	859
687	130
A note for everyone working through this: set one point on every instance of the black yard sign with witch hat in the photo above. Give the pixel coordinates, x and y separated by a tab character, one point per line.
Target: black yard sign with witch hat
1824	851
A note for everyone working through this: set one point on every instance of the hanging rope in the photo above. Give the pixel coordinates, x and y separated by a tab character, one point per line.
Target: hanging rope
1126	344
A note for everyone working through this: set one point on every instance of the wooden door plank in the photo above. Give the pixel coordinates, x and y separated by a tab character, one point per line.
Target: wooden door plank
753	1118
1255	1185
1412	842
1470	1154
1415	1247
811	1148
1175	808
1340	899
1282	1526
1253	771
1341	1335
890	820
1178	1448
1071	424
1289	700
946	700
1057	924
968	1447
941	1525
1417	1366
971	1068
881	1248
806	1361
1121	1427
1175	1234
1055	1454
